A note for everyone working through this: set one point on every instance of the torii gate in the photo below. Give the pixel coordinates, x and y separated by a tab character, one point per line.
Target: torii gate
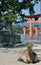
36	19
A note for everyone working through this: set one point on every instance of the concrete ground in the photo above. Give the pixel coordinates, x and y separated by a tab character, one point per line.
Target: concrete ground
9	56
11	59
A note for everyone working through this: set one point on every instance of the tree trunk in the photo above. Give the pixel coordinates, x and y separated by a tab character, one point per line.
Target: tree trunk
9	26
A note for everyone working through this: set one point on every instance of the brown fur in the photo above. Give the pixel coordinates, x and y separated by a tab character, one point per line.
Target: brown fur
28	56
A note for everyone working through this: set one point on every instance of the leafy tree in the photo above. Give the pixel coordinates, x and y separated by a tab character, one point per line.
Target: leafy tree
9	18
17	29
9	9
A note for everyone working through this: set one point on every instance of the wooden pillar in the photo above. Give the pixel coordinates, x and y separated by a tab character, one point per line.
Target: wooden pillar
24	29
36	31
30	28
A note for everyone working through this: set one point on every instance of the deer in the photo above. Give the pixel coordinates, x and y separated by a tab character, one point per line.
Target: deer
28	55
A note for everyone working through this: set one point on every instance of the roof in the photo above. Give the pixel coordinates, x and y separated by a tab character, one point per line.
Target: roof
33	16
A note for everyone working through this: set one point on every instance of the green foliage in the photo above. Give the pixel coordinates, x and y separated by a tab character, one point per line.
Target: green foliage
10	17
0	20
17	29
16	6
27	31
34	31
9	9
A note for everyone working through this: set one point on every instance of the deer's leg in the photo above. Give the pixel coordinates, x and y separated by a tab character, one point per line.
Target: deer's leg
26	61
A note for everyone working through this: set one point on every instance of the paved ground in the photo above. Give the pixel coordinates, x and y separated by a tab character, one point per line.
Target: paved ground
8	56
11	59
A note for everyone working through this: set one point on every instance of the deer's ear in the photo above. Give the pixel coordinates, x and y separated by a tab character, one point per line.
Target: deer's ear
31	45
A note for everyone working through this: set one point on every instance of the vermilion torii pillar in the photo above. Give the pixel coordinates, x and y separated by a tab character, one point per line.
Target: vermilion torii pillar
36	17
24	29
36	31
30	28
